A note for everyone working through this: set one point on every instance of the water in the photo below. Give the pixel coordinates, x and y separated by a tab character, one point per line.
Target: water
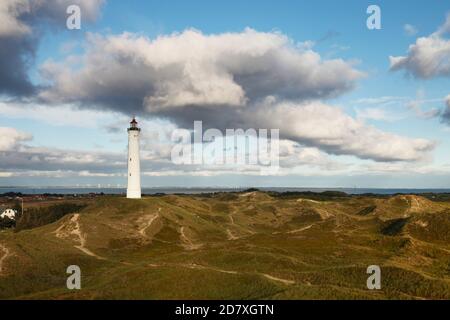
68	190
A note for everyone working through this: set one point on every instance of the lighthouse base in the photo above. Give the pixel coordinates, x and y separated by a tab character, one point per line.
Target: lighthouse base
133	194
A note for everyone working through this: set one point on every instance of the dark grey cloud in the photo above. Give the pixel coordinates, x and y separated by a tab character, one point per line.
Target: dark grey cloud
53	160
47	159
232	80
22	25
312	124
137	75
18	157
16	55
445	115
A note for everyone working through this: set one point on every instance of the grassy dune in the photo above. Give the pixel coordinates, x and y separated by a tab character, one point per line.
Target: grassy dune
250	245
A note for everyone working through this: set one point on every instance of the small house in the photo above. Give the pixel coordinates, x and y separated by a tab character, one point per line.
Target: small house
9	213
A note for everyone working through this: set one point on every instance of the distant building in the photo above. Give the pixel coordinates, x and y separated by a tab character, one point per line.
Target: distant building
9	213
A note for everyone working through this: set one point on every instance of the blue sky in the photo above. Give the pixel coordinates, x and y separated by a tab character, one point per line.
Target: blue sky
397	102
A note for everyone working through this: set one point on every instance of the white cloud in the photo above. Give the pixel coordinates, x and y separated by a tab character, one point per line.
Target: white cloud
228	70
410	30
445	28
429	57
10	10
10	138
294	155
381	100
232	80
373	114
387	108
62	115
18	156
330	129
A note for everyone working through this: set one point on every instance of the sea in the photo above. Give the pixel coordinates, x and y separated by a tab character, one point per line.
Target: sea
175	190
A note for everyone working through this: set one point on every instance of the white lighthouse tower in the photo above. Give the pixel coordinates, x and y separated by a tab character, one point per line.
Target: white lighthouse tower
134	167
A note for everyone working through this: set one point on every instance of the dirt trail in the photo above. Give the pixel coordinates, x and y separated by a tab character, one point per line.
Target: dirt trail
148	220
308	200
248	194
301	229
197	266
231	236
416	203
73	228
187	243
6	254
202	267
268	276
190	266
231	216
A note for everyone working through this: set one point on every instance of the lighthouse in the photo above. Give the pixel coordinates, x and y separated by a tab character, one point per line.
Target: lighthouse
134	167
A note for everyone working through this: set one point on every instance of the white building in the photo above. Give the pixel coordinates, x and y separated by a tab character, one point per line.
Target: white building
9	213
134	167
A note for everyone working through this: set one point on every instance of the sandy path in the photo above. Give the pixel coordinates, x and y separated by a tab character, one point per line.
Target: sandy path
201	267
248	194
268	276
301	229
231	216
6	254
413	202
75	230
415	205
150	219
231	236
187	243
308	200
191	266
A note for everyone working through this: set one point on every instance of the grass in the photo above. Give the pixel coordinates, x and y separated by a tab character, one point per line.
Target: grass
283	246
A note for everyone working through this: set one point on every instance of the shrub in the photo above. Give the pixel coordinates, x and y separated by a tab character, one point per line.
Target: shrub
394	227
7	223
37	217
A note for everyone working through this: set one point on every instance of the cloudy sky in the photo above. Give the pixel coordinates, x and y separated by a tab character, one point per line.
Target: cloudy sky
355	107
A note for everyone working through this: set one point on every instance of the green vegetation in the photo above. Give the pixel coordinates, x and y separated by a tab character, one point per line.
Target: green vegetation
41	216
393	227
6	223
319	196
367	210
248	245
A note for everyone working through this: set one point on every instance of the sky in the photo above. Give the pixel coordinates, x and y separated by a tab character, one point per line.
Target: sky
354	107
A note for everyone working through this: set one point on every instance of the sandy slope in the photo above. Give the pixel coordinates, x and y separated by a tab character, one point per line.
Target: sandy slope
72	230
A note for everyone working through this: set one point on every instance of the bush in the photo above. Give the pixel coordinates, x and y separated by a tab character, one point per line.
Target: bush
317	196
37	217
394	227
367	210
7	223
